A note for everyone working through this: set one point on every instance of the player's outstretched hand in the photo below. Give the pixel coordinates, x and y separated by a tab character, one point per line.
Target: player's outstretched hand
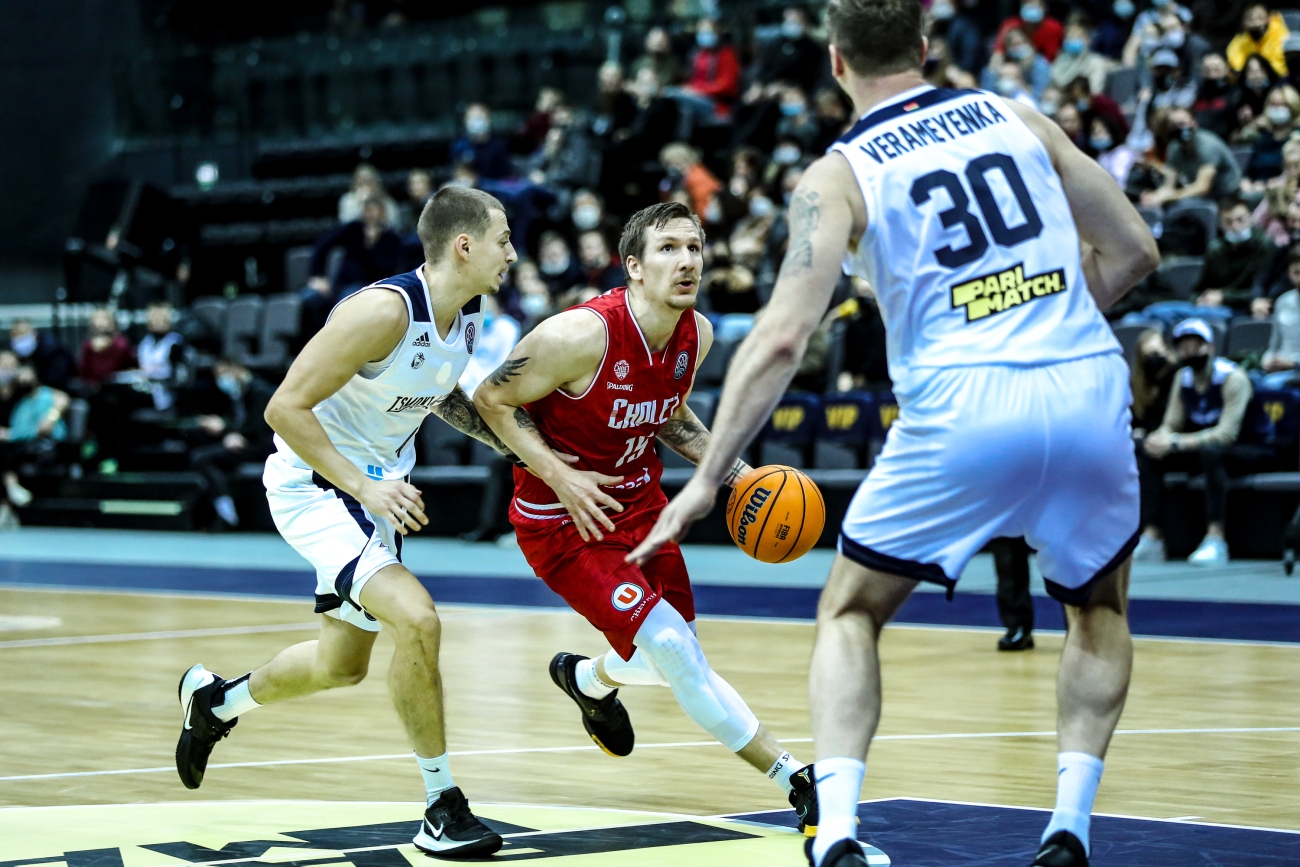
399	502
580	493
694	502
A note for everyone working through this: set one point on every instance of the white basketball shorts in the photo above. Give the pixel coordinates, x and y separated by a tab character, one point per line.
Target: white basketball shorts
1041	452
343	542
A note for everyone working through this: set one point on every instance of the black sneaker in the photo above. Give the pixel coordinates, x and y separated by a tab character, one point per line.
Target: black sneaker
200	729
450	830
1062	849
804	800
605	719
845	853
1016	639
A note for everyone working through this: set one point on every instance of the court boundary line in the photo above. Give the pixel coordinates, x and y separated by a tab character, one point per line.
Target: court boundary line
384	757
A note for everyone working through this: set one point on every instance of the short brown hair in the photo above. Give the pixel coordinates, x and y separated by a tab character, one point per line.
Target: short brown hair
450	212
633	241
877	37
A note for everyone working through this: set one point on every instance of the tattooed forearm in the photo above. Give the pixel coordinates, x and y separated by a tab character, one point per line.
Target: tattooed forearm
738	469
511	368
525	421
686	436
457	410
804	216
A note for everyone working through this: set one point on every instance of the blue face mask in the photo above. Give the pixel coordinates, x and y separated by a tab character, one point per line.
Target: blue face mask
230	386
706	39
1100	143
1031	14
1124	8
791	109
1020	52
1073	45
1238	237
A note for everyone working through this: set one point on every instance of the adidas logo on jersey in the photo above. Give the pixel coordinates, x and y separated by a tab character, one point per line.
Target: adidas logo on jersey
1002	290
422	340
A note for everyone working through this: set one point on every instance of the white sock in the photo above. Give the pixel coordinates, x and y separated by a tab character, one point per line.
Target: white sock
839	783
1077	778
236	700
637	671
783	769
589	683
437	776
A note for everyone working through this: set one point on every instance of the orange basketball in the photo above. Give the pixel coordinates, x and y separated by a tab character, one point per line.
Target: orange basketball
776	514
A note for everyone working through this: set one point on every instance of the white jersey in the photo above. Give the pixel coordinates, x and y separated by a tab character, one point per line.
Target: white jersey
372	420
970	247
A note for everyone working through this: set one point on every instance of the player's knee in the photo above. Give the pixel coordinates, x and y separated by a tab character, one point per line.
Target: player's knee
418	625
676	654
339	675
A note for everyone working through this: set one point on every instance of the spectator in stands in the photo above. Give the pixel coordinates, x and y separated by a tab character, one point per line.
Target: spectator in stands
615	108
419	187
714	81
587	213
1282	358
495	342
1071	123
1280	194
560	270
958	22
1113	28
1033	73
1199	163
603	271
797	122
833	113
659	59
161	355
1257	80
1217	98
34	425
1169	86
1268	133
535	301
42	350
1077	57
749	237
687	172
1106	144
1178	37
240	432
1092	104
729	285
1044	31
366	182
1151	379
1261	33
105	352
371	251
1234	259
538	123
792	57
1200	432
747	168
567	157
11	492
486	152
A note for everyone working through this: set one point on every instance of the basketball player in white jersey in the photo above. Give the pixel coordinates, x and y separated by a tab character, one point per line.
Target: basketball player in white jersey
345	420
993	244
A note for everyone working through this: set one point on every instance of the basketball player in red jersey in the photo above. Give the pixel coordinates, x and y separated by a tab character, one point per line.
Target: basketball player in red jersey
601	381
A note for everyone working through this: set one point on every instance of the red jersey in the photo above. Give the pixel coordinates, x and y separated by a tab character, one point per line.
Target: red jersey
611	426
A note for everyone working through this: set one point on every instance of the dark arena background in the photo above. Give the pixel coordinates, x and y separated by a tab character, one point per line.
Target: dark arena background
187	187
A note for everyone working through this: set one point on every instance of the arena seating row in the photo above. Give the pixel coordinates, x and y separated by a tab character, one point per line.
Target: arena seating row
1241	336
259	332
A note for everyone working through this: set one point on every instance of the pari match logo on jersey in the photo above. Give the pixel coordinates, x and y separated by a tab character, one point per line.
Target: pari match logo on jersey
1003	290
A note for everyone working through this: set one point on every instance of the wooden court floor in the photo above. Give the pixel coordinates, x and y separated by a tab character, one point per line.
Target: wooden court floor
961	722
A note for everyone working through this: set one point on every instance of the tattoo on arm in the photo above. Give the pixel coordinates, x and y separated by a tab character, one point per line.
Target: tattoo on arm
511	368
804	216
738	469
457	410
525	421
686	436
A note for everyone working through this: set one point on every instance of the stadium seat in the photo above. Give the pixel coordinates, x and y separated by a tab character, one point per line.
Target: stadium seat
1248	335
1180	274
704	404
1128	335
243	327
1292	19
787	438
297	267
883	418
280	325
211	311
714	366
1151	216
76	417
1241	153
1282	406
1203	209
1122	84
844	430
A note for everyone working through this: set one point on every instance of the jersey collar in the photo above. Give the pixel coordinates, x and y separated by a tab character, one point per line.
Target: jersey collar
904	103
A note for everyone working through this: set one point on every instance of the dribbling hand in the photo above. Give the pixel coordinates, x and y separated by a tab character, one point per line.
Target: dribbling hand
398	502
694	502
579	491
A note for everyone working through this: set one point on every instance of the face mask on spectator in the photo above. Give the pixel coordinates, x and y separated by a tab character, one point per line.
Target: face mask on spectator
760	207
1081	104
554	267
24	345
478	126
1198	362
586	217
1020	52
1186	132
791	29
1031	13
1007	86
713	212
1237	237
1279	114
786	155
533	305
1100	142
791	109
1049	107
706	39
230	386
1174	39
1074	45
941	10
1124	8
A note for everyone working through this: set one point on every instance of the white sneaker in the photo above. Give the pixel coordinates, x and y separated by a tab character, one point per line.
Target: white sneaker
1149	549
1212	551
17	494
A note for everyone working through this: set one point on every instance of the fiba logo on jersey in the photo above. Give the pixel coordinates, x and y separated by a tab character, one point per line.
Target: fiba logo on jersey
626	596
418	361
683	360
469	338
621	370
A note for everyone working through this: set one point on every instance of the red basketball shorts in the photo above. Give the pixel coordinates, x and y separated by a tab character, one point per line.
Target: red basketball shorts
593	578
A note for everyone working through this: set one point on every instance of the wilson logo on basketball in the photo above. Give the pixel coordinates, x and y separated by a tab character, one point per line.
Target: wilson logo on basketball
627	596
750	515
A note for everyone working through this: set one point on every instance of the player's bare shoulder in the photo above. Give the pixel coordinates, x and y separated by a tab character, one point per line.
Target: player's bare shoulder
828	188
